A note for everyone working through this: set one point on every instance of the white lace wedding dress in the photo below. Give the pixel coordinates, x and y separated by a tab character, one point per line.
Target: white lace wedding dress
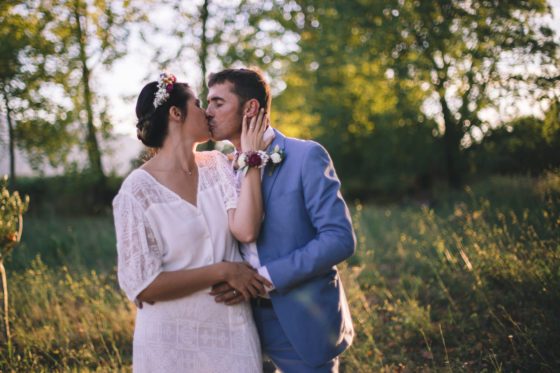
159	231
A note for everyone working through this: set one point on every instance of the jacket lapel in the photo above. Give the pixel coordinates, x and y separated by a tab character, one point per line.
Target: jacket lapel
268	179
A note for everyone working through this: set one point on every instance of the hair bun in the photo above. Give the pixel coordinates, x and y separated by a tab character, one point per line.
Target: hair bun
142	128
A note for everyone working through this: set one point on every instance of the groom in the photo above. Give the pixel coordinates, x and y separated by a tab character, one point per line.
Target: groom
303	322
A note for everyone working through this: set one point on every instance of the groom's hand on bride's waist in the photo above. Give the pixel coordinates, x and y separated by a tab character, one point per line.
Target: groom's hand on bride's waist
225	293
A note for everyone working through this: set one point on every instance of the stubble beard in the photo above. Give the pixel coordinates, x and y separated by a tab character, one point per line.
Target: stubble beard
235	133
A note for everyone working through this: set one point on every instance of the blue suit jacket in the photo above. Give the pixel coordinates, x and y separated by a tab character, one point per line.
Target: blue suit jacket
306	231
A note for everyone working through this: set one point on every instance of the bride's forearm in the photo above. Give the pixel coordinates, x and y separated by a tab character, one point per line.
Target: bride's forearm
245	221
178	284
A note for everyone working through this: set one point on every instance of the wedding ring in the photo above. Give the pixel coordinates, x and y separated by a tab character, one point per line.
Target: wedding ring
251	127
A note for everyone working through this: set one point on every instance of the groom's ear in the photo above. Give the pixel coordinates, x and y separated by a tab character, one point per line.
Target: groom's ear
251	108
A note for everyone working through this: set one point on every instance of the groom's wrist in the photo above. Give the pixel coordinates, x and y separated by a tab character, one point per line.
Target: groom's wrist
263	271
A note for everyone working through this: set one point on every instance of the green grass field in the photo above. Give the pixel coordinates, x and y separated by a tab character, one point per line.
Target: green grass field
470	284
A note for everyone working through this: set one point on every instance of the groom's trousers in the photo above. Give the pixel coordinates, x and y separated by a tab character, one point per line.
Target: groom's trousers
278	348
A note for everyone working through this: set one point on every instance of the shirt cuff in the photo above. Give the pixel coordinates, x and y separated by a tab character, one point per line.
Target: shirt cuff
264	273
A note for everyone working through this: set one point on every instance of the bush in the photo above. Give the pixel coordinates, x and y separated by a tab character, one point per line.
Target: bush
71	194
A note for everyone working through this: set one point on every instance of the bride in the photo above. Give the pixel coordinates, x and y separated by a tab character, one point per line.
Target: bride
176	221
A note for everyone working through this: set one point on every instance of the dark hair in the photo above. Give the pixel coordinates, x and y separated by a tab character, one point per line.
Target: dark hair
247	84
152	124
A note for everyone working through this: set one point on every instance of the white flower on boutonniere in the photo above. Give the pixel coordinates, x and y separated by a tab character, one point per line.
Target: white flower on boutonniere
276	156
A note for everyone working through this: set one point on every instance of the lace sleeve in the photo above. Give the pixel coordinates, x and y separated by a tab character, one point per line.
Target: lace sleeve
227	180
139	255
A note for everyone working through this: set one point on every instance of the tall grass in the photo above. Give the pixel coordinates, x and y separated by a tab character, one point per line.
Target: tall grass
67	313
66	321
470	283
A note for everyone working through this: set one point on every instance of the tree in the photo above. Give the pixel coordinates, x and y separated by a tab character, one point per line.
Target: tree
452	60
219	33
87	34
215	34
35	123
468	54
341	92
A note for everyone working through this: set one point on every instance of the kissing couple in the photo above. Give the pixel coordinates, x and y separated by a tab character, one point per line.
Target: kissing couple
231	258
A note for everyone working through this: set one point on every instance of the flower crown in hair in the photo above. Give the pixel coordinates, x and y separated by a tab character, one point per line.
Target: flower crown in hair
165	85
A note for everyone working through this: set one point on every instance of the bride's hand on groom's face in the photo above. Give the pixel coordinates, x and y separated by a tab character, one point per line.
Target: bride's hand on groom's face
252	132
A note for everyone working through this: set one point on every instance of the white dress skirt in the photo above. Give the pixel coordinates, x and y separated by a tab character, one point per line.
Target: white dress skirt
159	231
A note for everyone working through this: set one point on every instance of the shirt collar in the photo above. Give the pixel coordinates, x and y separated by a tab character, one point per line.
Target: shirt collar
268	133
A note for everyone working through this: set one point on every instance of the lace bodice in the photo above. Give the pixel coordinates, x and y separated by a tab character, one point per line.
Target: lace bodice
158	230
216	170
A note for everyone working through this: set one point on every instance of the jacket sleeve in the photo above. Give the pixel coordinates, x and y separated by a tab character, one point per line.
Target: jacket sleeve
334	239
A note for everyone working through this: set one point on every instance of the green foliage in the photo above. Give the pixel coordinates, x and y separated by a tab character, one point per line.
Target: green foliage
470	285
37	124
81	243
394	89
525	145
11	225
551	124
457	50
88	33
11	210
340	93
75	38
72	194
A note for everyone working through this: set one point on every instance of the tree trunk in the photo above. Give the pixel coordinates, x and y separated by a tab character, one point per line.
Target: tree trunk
202	57
11	141
92	145
452	142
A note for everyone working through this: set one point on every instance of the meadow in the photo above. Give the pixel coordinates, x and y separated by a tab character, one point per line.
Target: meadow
463	281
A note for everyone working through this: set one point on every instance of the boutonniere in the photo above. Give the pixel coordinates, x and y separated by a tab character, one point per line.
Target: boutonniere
276	157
